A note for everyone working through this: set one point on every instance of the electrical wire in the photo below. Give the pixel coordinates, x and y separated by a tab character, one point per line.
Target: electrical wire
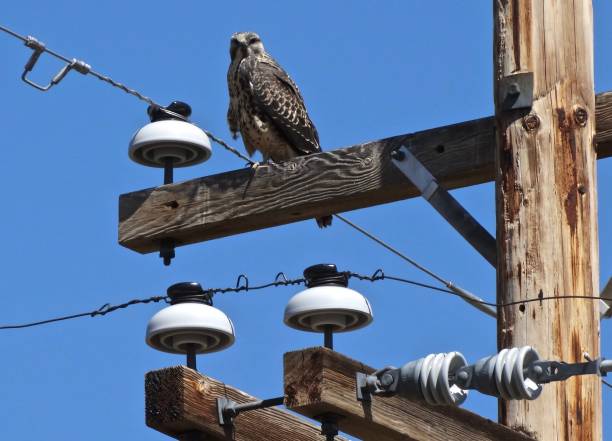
242	284
86	69
101	311
470	298
453	289
228	147
392	249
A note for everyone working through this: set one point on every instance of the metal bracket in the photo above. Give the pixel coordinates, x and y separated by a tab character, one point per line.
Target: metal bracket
384	382
516	91
445	204
228	409
362	388
606	303
546	371
39	48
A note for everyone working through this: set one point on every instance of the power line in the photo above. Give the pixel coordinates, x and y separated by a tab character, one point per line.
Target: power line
84	68
472	299
103	310
242	284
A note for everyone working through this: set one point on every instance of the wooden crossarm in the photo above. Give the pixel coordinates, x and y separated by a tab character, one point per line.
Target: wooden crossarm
320	381
360	176
181	403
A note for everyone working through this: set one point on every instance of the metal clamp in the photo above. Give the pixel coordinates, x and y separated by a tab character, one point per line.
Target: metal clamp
228	409
39	48
547	371
383	382
429	379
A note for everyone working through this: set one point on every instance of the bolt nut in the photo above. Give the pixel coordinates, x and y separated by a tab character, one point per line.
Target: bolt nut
581	115
514	89
386	380
398	155
531	122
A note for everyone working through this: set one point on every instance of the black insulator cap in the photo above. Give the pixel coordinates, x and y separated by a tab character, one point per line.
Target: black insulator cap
157	113
324	274
188	292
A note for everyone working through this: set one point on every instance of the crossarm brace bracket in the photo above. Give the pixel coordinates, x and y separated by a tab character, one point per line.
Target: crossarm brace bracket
445	204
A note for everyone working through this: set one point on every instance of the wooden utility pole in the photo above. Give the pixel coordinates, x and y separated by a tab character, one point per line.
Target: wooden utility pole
547	208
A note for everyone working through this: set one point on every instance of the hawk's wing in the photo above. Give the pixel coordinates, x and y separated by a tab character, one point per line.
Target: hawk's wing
278	97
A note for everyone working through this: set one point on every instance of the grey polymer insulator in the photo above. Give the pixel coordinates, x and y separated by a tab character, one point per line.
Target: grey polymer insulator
605	366
502	375
428	379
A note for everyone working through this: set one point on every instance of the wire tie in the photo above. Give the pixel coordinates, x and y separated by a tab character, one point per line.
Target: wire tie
245	286
280	277
378	274
102	310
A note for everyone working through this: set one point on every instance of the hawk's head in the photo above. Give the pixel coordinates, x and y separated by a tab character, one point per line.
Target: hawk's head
244	44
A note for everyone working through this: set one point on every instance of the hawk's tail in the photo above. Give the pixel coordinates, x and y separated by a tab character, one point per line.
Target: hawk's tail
324	221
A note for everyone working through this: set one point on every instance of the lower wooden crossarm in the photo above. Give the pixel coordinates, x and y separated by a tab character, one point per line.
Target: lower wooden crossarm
319	381
182	403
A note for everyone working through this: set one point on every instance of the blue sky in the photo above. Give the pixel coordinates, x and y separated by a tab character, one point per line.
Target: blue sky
366	71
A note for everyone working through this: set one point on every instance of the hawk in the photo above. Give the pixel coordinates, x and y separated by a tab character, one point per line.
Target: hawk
266	106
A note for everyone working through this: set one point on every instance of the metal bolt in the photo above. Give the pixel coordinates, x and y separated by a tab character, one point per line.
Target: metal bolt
386	380
531	122
514	89
581	115
398	155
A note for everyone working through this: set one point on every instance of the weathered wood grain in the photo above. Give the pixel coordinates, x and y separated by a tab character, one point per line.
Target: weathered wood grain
603	124
181	403
319	381
235	202
547	207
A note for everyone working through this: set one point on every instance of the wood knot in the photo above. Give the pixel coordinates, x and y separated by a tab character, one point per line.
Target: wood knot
531	122
366	162
172	204
581	115
202	387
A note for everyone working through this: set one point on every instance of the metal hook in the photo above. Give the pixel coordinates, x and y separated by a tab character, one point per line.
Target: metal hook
39	48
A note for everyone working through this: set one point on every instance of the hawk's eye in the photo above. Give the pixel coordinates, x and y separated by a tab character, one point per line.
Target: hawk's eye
254	40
